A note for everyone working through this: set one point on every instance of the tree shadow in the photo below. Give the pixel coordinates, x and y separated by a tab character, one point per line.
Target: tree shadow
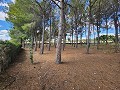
35	63
20	57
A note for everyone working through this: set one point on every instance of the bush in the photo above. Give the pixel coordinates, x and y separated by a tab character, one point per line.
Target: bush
8	52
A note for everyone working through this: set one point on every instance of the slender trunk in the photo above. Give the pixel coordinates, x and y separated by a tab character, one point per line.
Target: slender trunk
70	40
81	38
76	30
72	37
94	34
119	31
64	41
119	26
24	44
98	26
106	31
64	34
60	33
77	40
31	47
42	44
72	29
35	40
55	41
98	39
39	37
116	31
74	42
39	41
88	39
86	34
50	35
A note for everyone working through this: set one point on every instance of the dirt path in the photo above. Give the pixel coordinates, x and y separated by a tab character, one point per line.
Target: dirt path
79	71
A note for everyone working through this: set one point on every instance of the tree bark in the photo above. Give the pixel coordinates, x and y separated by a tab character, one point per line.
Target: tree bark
24	44
88	39
35	40
72	37
119	26
50	35
76	30
64	41
98	31
39	41
72	30
64	34
106	31
94	34
31	46
85	35
60	33
116	31
81	38
42	44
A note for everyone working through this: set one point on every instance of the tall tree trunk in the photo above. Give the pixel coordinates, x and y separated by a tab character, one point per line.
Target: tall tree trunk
88	39
98	26
43	32
119	29
106	31
81	38
39	41
35	40
119	26
39	37
24	44
116	31
50	34
94	34
85	34
60	33
31	46
64	41
98	31
55	41
72	29
74	41
72	36
76	30
64	34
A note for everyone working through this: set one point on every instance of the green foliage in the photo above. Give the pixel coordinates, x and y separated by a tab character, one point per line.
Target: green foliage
21	15
111	37
9	44
104	37
8	52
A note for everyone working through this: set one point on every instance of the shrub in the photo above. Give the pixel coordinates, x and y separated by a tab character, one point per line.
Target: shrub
8	52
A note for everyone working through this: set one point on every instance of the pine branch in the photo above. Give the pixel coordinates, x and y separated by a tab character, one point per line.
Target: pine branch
56	3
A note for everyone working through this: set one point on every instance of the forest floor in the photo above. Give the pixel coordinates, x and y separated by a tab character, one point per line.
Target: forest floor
99	70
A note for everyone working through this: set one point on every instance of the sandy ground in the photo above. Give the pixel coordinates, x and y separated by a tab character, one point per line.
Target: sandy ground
79	71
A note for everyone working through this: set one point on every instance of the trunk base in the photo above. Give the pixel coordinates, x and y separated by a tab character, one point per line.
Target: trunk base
58	62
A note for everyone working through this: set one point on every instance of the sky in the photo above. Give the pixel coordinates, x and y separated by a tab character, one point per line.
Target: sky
4	25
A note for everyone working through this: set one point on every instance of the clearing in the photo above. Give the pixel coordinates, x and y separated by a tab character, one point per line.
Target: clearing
79	71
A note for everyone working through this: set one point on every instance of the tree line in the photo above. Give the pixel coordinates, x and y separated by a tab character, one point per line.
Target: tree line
38	21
